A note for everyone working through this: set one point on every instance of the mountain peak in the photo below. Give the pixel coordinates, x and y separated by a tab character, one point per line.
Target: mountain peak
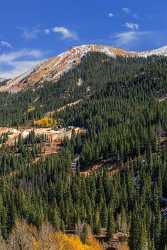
53	68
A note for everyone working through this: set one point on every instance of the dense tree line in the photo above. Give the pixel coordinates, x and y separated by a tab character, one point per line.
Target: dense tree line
126	122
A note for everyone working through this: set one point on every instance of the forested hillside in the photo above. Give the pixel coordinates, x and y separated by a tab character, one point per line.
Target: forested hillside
123	108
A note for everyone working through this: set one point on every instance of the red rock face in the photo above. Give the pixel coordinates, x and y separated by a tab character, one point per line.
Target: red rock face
54	68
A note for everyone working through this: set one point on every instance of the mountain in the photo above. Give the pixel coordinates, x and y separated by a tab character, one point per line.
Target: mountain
53	68
121	104
3	81
61	80
157	52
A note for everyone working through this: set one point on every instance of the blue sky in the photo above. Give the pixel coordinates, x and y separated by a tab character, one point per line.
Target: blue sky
33	30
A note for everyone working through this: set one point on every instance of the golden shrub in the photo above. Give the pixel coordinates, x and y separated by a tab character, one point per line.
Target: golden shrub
45	122
27	237
60	241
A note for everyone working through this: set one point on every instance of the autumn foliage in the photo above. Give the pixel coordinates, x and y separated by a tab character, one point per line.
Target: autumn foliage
27	237
45	122
60	241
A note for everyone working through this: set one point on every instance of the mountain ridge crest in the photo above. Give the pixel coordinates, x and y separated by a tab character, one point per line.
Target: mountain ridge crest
53	68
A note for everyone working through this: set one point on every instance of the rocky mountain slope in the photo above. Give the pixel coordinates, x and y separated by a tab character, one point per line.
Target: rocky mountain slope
157	52
52	69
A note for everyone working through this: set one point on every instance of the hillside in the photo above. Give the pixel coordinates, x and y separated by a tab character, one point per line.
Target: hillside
54	68
78	83
121	105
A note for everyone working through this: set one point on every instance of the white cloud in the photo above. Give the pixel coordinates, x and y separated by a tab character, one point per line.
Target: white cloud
18	55
35	32
110	14
129	12
126	10
18	68
65	33
30	34
132	26
128	38
18	62
47	31
5	44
